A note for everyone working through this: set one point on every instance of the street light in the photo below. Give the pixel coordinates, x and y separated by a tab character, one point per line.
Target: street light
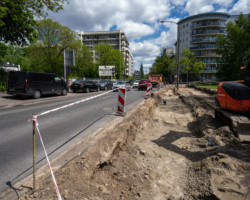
178	48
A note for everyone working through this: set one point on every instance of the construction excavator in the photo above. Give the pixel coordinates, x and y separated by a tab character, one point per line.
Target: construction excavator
233	105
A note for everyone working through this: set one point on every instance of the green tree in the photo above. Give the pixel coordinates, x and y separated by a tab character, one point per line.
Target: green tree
84	63
107	55
16	55
47	52
118	63
234	49
163	64
3	49
142	71
17	18
190	62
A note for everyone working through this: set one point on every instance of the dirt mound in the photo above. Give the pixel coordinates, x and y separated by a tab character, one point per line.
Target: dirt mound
172	151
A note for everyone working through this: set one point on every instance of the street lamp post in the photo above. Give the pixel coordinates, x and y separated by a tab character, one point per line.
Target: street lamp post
178	49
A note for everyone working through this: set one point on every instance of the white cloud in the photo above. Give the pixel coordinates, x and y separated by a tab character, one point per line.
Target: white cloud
241	6
136	30
144	52
202	6
140	19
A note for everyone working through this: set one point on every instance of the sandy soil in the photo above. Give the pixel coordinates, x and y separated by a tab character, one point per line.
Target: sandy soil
172	151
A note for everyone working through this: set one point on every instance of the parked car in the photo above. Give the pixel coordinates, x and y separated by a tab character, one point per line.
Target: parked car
121	84
105	84
136	83
85	86
143	84
25	83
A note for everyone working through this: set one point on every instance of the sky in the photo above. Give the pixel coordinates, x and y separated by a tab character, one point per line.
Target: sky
140	20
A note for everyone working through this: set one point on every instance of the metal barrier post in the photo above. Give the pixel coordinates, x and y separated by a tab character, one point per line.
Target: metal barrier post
34	152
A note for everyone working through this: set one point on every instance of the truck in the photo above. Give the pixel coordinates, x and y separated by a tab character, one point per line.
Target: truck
155	79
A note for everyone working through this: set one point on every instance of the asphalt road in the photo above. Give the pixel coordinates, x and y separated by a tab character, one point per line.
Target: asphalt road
60	130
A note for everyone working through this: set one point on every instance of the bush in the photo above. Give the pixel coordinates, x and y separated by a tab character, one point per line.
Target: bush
2	87
3	75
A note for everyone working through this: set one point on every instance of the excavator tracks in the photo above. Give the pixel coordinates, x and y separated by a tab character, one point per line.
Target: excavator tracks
239	123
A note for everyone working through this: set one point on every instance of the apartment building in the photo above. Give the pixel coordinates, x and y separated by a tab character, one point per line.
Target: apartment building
199	33
117	39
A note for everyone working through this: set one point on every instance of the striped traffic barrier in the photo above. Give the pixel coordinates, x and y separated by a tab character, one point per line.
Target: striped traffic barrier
148	91
159	86
121	101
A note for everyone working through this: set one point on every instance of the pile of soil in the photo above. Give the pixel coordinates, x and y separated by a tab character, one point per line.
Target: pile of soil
158	151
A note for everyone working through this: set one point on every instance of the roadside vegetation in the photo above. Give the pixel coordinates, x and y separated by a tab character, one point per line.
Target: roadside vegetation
234	49
208	85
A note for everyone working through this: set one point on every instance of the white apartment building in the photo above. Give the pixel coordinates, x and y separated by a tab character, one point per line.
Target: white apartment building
199	33
117	39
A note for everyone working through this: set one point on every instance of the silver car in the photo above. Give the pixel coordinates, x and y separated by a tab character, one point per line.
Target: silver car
121	84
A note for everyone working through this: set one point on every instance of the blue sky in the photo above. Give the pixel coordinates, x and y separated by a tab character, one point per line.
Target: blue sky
139	19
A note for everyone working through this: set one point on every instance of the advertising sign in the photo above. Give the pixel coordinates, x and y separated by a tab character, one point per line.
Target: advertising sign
106	70
69	58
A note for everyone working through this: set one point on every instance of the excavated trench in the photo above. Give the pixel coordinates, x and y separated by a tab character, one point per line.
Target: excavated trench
158	151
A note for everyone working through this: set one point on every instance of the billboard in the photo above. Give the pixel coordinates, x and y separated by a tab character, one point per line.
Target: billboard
69	58
106	70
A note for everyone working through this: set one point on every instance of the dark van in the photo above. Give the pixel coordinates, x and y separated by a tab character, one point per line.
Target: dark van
36	84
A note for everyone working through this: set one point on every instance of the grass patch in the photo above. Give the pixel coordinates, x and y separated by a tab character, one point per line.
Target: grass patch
211	86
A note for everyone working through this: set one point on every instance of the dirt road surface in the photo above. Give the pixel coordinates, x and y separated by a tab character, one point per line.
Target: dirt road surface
157	152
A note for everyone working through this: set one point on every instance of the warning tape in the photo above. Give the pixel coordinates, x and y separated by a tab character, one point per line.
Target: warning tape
51	171
34	118
72	104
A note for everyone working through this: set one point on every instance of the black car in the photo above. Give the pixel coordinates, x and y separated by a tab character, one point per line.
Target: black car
84	86
105	84
36	84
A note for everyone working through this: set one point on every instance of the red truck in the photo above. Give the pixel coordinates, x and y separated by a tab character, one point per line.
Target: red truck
155	79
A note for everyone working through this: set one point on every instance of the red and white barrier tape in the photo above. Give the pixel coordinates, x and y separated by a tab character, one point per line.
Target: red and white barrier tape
34	118
74	103
51	171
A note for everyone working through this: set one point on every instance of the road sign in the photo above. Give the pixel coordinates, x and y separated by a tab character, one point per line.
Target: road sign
106	70
69	58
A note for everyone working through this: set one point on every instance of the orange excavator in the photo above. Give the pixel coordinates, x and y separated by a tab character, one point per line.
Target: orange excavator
233	105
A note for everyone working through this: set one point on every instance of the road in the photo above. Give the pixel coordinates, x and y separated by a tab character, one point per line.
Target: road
60	130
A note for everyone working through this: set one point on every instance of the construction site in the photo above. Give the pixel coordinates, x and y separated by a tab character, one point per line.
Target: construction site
170	146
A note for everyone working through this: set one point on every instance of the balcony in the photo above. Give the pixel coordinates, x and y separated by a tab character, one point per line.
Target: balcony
207	55
204	40
208	32
203	47
208	24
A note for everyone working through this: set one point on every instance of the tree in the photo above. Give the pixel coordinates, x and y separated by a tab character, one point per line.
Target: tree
17	21
191	64
3	49
47	52
142	72
234	49
107	55
163	64
84	63
16	55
